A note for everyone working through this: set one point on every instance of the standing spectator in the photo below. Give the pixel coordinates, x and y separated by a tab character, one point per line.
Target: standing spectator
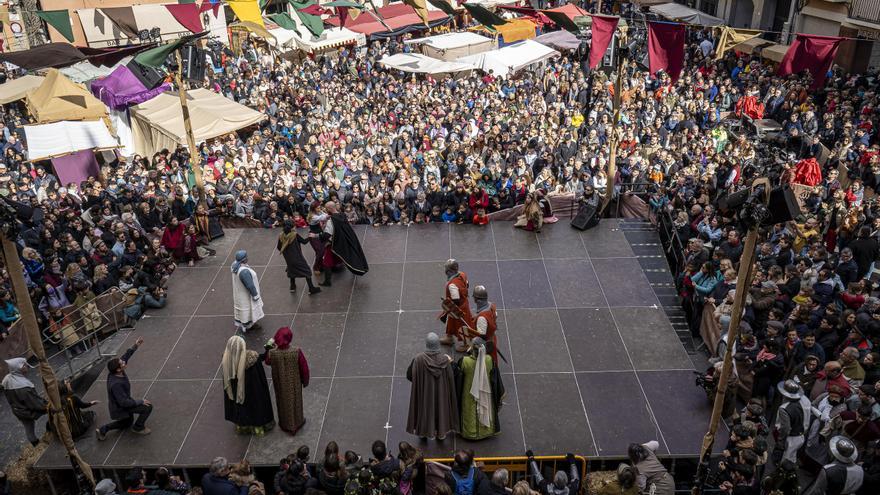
122	405
27	405
465	478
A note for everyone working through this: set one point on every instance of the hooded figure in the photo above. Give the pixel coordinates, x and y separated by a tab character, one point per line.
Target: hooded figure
290	374
248	305
433	406
246	399
26	403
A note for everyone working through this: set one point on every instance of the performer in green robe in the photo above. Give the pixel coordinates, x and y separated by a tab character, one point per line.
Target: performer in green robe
480	391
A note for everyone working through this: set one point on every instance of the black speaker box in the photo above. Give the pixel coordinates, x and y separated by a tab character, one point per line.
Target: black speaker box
582	221
149	76
783	205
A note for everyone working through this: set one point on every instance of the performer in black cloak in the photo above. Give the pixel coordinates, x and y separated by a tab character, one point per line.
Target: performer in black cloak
289	244
344	246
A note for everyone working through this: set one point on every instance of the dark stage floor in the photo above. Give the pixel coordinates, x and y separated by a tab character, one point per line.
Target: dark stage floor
594	361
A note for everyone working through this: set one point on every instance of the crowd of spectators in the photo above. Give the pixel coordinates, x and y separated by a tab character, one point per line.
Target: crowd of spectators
398	148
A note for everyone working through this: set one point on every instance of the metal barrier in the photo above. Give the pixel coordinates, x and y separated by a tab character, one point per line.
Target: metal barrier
518	468
78	335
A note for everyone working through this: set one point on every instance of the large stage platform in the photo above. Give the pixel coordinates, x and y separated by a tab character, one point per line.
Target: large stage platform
594	361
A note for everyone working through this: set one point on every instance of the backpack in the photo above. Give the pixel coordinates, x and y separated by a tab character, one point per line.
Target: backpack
464	486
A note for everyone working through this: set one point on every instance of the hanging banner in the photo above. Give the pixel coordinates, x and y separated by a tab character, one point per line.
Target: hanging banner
813	53
603	28
666	48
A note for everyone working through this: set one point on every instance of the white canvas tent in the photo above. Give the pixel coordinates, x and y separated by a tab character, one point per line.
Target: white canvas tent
17	89
66	137
510	59
158	124
452	46
304	40
678	12
418	63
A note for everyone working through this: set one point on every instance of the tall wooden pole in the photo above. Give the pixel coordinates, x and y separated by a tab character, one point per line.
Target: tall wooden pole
32	331
194	156
743	282
612	140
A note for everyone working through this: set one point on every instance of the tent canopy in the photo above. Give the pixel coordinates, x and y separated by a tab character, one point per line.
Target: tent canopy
158	123
678	12
775	52
570	10
122	89
16	89
63	138
560	40
401	18
309	43
415	62
510	59
58	98
450	46
752	45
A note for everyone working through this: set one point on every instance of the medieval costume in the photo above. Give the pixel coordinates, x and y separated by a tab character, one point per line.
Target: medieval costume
486	322
207	223
172	238
532	216
289	246
841	477
341	246
248	305
433	407
79	418
246	399
456	308
26	403
290	373
480	391
790	423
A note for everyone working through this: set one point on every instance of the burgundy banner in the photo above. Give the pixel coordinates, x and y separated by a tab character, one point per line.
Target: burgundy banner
813	53
666	48
603	32
187	14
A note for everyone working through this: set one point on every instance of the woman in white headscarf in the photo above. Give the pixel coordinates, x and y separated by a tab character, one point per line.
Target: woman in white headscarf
480	392
26	403
246	400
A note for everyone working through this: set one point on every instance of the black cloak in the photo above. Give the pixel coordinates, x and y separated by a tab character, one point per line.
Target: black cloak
347	246
257	409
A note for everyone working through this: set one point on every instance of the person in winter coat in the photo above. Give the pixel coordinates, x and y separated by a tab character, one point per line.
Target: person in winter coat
27	405
651	471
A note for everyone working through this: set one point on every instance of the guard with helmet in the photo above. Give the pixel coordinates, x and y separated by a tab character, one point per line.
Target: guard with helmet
486	321
843	476
788	431
456	308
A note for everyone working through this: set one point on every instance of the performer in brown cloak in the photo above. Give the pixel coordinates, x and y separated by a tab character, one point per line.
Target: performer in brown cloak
433	404
290	373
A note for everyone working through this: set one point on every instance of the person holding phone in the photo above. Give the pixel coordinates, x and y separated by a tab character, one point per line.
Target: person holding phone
122	405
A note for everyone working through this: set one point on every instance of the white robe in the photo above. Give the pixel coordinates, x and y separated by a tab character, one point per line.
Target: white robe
246	310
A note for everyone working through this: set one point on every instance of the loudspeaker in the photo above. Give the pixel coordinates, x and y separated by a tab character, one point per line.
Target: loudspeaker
585	217
193	63
733	201
149	76
783	205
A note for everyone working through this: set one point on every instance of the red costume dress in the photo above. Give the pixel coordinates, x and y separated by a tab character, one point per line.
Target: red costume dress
457	294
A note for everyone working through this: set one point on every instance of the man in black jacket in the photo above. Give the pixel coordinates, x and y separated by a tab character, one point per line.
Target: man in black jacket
122	405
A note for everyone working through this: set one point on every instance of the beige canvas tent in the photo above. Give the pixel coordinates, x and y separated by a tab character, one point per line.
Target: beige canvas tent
59	98
452	46
158	123
17	89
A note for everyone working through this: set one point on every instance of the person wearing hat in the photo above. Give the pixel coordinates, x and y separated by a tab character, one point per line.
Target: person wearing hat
486	321
456	309
433	406
789	424
843	476
248	305
27	405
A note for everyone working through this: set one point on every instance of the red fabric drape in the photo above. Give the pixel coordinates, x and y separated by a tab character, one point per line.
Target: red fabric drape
207	5
187	14
750	106
666	48
808	172
813	53
603	31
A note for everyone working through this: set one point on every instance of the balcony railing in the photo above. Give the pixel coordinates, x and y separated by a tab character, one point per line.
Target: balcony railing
865	10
